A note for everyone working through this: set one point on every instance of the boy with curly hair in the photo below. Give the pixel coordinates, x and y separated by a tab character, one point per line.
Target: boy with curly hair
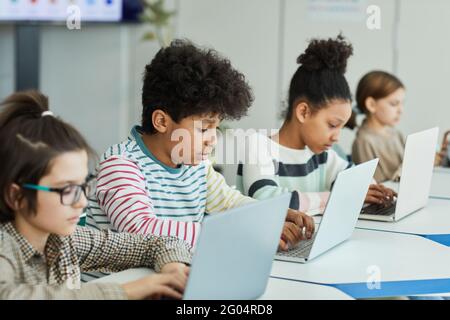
152	183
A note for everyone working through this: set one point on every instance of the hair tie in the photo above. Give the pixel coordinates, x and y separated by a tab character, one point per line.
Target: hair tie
47	113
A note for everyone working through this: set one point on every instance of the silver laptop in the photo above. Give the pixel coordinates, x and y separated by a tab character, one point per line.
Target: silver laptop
235	251
340	215
415	181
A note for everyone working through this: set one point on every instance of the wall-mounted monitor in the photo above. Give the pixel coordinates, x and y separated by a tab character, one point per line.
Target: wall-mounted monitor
60	10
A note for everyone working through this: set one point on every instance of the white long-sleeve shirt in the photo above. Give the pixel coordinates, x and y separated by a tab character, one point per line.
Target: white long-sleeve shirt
272	169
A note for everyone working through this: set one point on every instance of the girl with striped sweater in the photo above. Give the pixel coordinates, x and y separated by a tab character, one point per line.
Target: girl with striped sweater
299	157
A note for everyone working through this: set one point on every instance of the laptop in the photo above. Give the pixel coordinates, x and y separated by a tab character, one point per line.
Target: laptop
415	181
235	250
340	215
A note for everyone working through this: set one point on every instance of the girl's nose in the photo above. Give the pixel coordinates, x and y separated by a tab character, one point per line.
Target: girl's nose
82	202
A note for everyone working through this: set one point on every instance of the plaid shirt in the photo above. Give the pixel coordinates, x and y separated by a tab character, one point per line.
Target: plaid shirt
26	273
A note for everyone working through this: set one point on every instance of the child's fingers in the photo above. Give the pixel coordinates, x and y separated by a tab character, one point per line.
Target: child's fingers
288	236
182	279
290	214
371	199
388	192
180	275
166	291
296	231
295	217
376	194
282	245
381	192
175	281
375	187
310	226
292	233
392	192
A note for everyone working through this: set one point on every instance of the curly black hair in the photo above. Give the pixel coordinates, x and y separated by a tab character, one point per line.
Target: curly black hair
320	77
184	80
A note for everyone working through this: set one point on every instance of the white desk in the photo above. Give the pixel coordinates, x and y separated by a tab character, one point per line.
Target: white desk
440	184
442	169
398	257
431	220
277	289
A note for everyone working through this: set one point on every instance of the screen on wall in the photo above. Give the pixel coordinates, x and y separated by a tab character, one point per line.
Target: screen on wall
61	10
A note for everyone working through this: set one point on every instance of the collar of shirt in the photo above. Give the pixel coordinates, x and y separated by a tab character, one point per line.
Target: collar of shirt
26	248
53	248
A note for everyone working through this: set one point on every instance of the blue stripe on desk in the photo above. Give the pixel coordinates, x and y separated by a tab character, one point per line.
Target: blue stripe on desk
443	239
395	288
361	290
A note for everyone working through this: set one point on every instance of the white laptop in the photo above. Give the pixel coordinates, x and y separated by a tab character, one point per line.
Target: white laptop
415	181
340	215
235	251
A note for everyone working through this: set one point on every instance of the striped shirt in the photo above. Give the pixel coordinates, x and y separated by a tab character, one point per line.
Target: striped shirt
137	193
278	169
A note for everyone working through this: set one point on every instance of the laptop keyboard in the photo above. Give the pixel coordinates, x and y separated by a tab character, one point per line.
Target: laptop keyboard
300	251
380	210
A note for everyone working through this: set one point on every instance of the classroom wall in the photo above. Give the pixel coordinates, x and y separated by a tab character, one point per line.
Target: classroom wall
6	60
424	64
248	36
93	76
102	98
372	49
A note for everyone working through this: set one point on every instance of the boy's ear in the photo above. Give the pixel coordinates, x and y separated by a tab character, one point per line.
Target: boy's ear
13	196
370	104
302	112
161	121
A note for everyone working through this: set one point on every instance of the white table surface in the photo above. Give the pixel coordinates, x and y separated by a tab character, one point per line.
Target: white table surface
277	289
397	257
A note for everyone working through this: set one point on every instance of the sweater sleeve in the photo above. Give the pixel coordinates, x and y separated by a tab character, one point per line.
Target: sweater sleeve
111	251
221	196
363	151
260	180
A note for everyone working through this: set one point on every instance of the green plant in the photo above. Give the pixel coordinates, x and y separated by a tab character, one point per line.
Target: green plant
155	14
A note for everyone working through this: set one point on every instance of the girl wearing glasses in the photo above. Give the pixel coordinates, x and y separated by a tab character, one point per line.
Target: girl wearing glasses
44	185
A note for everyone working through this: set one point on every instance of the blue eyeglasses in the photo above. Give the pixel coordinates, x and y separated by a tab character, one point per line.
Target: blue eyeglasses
70	194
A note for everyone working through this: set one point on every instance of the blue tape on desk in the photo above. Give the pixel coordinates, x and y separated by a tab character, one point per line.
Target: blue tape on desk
394	288
363	290
443	239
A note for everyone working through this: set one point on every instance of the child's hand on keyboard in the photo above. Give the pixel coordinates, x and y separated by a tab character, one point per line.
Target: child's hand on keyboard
380	195
298	226
389	194
289	237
